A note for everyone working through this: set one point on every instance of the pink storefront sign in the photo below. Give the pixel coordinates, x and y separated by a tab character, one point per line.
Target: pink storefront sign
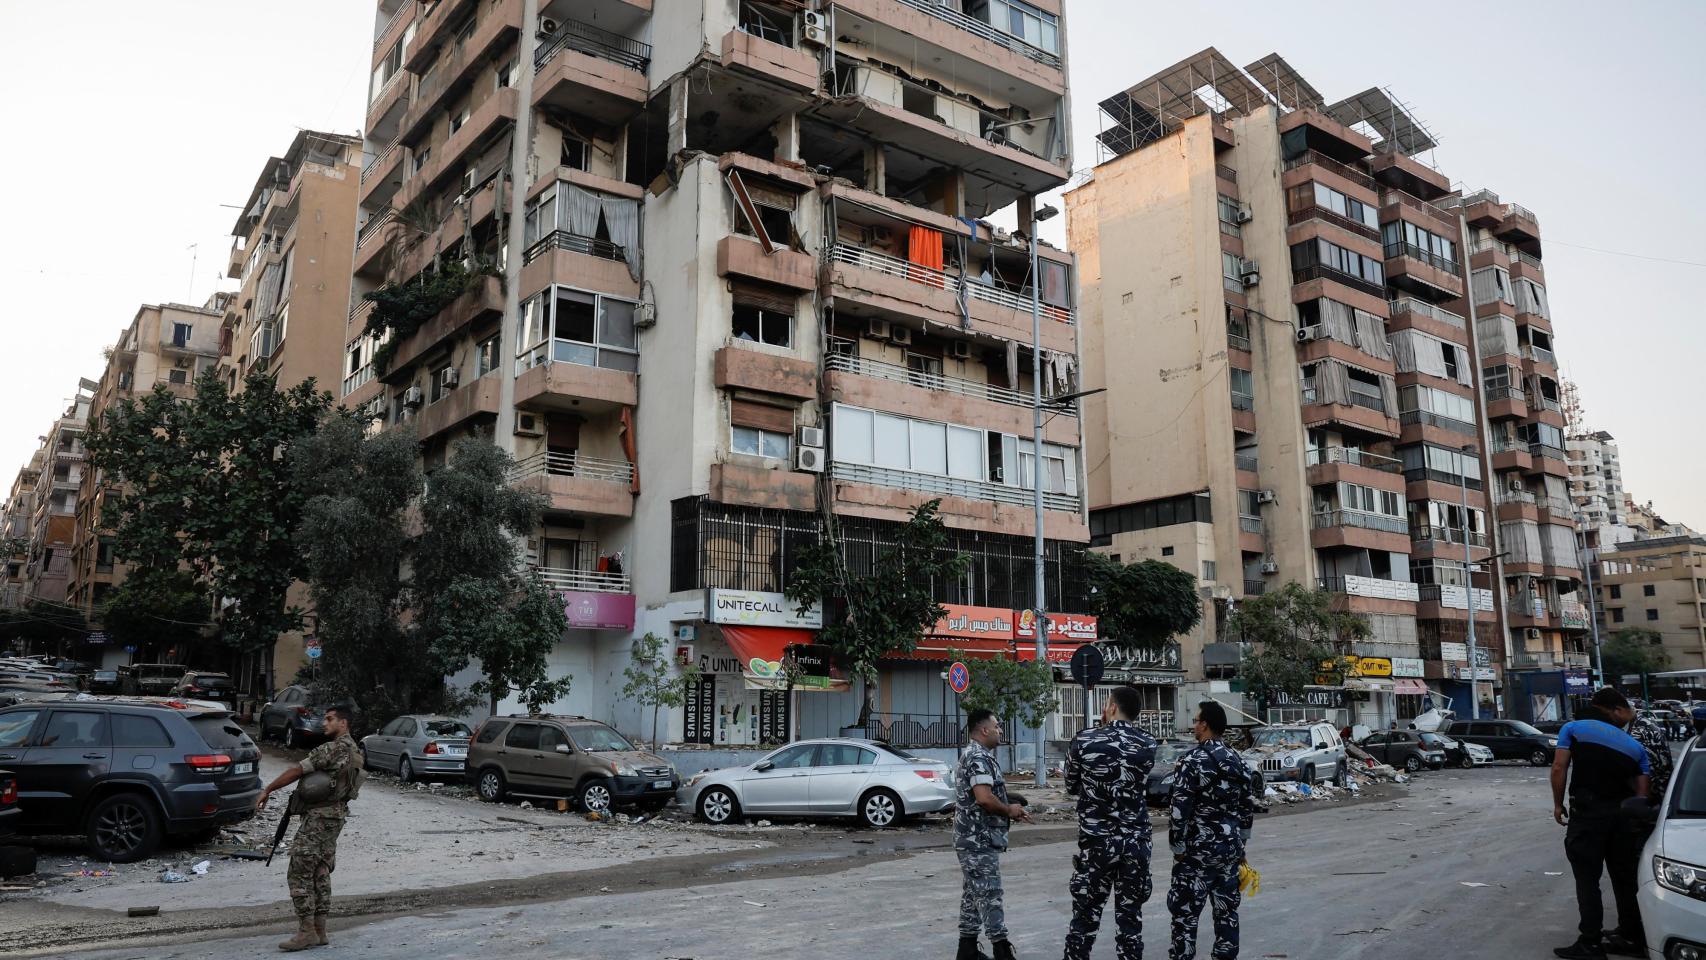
599	611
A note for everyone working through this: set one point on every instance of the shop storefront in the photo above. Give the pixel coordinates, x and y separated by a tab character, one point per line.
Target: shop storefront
1155	674
1408	691
756	656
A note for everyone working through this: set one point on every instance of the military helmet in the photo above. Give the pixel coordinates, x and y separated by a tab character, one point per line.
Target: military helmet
316	787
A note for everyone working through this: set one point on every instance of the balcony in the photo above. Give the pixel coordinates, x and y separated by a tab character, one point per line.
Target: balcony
742	256
481	302
574	483
382	176
930	381
1339	220
1411	307
574	243
1451	596
569	580
1456	535
1360	518
740	368
1320	271
887	494
1350	174
387	34
1428	419
751	485
1540	355
951	486
1506	403
575	387
1356	528
433	32
449	157
1410	267
1324	465
788	66
1249	524
477	400
389	104
1362	409
592	71
977	28
1373	588
1409	175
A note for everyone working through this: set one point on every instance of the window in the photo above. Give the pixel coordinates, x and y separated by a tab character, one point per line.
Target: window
506	75
1331	256
1230	276
766	23
181	334
1243	388
577	153
1491	284
15	728
576	326
1652	614
421	158
441	381
843	755
1228	213
1021	21
1449	352
489	732
486	356
1249	503
1647	590
178	375
1616	614
924	366
900	443
1616	592
130	731
75	728
1306	196
1208	570
762	326
1402	238
550	738
523	736
793	757
759	443
1166	551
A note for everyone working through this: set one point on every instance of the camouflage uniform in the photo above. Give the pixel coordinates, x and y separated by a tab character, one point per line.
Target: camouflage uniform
1213	808
979	839
1652	736
314	852
1107	767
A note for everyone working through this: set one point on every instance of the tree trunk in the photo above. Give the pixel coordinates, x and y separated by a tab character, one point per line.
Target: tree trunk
494	703
654	727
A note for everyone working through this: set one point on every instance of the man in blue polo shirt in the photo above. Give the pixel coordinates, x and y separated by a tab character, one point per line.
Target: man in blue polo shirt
1604	767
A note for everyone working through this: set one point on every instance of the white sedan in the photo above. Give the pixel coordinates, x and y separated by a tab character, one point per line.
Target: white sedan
1672	891
873	781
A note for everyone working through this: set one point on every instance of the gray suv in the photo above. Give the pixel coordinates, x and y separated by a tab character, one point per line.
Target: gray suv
564	756
1303	752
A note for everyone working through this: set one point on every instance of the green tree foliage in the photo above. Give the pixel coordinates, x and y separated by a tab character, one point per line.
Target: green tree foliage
402	308
1288	634
889	608
1018	691
155	608
1144	603
473	599
653	679
209	482
42	624
1632	650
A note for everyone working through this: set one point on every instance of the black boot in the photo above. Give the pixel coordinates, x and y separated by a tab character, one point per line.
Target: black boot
969	950
1003	950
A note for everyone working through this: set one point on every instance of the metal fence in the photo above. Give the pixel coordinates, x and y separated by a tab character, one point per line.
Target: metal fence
918	730
594	42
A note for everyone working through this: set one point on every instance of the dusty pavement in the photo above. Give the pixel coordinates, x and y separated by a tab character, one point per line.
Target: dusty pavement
1382	877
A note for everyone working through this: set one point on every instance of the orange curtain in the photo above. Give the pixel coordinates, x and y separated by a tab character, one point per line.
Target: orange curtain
924	248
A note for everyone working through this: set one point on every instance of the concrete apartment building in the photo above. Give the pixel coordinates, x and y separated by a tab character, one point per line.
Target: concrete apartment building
49	507
1292	383
15	531
1596	489
1658	584
754	286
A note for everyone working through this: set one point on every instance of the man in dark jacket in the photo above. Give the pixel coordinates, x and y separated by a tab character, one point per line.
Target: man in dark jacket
1214	806
1107	768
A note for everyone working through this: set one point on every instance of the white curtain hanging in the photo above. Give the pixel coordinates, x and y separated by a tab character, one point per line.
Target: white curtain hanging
622	219
580	210
1371	335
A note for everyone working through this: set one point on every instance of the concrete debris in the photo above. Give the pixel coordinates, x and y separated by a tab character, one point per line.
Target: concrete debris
173	876
201	868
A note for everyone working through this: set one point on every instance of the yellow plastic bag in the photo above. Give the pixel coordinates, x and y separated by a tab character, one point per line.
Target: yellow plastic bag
1249	880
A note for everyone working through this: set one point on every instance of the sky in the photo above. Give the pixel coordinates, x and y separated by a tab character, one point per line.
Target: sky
152	124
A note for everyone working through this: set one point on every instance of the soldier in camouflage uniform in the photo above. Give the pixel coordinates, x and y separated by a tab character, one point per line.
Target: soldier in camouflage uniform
1652	736
982	815
1107	768
1214	806
314	851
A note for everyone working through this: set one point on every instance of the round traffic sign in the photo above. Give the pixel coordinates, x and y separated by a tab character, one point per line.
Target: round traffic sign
959	678
1087	664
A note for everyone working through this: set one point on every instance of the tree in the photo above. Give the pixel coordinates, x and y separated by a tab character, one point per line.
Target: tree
1017	691
209	482
1632	650
1289	634
154	608
473	599
1144	603
653	680
402	308
890	608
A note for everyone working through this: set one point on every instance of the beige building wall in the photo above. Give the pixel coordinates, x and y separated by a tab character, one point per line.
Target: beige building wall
1674	570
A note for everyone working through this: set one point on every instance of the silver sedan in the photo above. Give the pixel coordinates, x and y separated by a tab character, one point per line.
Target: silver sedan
419	746
872	781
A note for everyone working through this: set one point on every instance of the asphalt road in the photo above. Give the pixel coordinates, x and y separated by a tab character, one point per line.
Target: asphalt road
1469	864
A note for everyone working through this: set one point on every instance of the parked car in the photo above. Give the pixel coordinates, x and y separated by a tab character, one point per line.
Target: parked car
293	718
127	773
1405	748
566	756
9	812
18	691
106	681
1460	753
1302	752
837	777
206	685
1550	727
1508	739
1672	891
419	746
154	679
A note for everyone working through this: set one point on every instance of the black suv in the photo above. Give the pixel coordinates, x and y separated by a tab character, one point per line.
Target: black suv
1508	739
127	773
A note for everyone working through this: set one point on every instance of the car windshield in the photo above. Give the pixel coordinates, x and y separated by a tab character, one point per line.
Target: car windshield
212	680
1170	752
1279	737
447	728
597	739
1522	729
1435	740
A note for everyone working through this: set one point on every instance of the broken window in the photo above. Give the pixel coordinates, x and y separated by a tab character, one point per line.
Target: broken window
767	22
762	326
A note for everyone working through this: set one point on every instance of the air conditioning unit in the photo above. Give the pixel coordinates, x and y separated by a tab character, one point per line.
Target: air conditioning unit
413	397
1532	633
529	425
810	436
1308	334
900	336
877	329
1269	566
960	350
645	315
1244	215
547	26
405	415
1264	496
1516	485
449	377
1249	272
814	28
808	459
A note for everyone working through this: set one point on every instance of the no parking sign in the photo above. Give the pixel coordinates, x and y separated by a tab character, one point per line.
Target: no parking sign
959	677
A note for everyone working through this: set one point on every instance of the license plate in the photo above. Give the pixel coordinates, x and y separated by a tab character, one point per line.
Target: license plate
455	752
661	784
243	768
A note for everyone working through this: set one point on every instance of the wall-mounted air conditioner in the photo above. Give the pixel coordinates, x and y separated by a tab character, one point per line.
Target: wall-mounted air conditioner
877	329
413	397
1269	566
1308	334
1264	496
900	336
814	28
1249	272
810	436
809	459
529	425
960	350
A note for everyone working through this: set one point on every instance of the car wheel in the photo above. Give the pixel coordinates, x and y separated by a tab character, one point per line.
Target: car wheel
292	740
1413	763
1309	774
1539	758
1341	774
490	786
1467	763
594	796
718	806
405	770
123	828
879	809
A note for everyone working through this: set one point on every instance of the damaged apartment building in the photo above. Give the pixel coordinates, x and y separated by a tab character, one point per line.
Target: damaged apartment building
1326	365
757	282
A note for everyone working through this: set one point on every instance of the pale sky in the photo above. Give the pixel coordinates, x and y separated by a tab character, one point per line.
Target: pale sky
130	125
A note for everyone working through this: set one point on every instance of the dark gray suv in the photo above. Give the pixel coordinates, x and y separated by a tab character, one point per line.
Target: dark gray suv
127	773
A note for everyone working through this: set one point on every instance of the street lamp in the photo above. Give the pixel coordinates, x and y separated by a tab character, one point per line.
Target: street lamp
1468	450
1041	607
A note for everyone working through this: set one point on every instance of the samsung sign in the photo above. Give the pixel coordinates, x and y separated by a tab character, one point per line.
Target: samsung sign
755	608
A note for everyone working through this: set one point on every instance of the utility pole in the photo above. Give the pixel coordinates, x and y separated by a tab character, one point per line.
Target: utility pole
521	151
1468	450
1041	608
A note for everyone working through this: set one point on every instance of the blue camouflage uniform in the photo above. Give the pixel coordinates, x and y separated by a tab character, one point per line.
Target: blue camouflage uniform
1214	805
1658	755
979	839
1107	767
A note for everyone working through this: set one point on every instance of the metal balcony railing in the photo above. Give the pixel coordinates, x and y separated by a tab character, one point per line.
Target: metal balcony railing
893	266
1328	519
1243	401
385	88
1546	450
951	486
1428	257
1375	587
1540	354
372	227
1320	271
385	31
1493	244
1226	173
1530	260
1351	456
1425	209
1455	535
1495	394
1357	177
574	243
1249	524
379	161
932	381
1244	461
1339	220
1255	588
584	581
1371	401
571	465
594	42
1431	419
984	30
1518	210
1422	308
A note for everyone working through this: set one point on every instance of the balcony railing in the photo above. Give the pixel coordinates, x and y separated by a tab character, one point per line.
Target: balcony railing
1425	209
1371	587
895	267
568	579
1518	210
1504	495
379	161
1371	401
1493	244
1540	354
984	30
1538	402
1455	535
1428	418
385	31
1226	173
1546	450
1320	271
1328	519
1244	461
1495	394
594	42
1243	401
372	227
1351	456
932	381
385	87
1530	260
1255	588
1555	505
950	486
574	243
1413	252
1328	163
572	465
1422	308
1336	219
1249	524
1456	596
358	379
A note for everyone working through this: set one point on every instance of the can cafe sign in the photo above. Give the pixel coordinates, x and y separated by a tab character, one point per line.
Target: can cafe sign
1126	656
1355	667
754	608
1330	699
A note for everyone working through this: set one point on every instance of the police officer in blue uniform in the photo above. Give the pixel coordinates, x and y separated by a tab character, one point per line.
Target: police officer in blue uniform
982	815
1214	805
1107	768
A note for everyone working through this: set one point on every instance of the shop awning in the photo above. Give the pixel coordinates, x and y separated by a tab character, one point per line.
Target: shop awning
1409	686
761	650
